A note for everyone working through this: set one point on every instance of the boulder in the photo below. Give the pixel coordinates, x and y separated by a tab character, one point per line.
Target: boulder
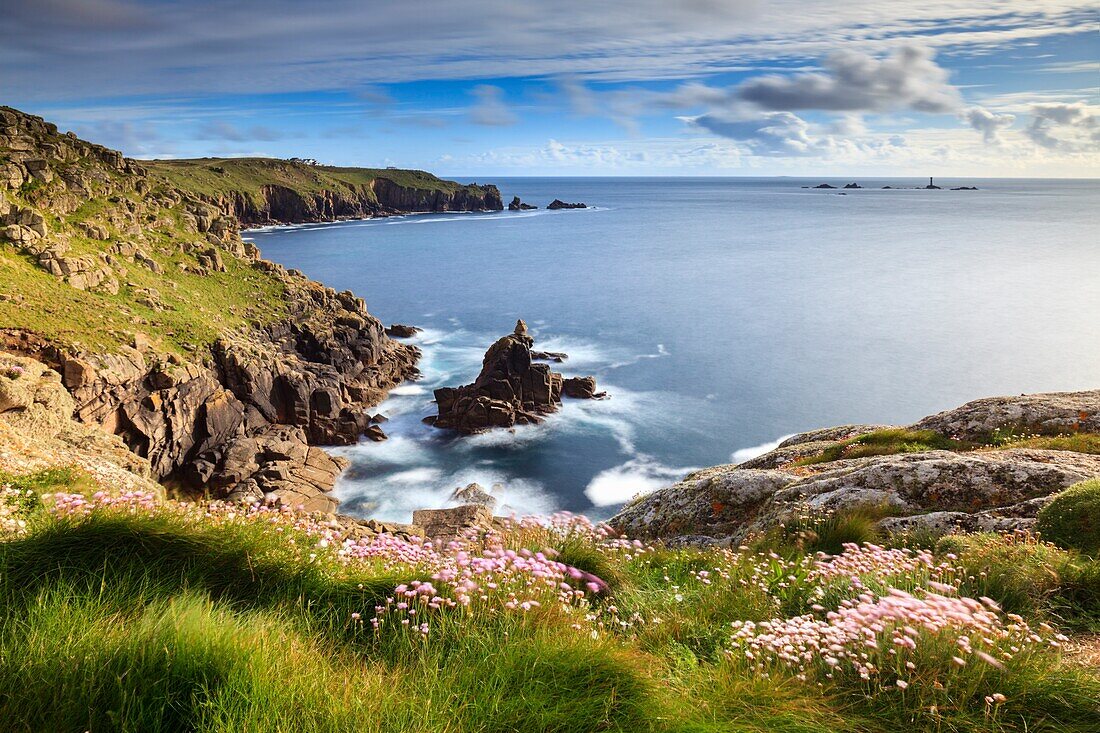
510	390
1051	413
446	525
555	356
581	388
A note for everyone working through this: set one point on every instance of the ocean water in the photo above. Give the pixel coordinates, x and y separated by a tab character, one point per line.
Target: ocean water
720	315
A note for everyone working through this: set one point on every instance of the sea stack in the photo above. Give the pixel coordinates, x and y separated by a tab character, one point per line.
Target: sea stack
510	390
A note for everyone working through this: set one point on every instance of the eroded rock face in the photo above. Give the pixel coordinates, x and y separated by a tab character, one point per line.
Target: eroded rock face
510	390
938	490
37	430
244	423
445	525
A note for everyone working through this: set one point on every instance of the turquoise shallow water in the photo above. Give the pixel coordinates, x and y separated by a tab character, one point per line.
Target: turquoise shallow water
720	314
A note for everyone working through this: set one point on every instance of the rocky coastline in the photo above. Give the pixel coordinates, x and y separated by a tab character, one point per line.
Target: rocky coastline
989	465
240	417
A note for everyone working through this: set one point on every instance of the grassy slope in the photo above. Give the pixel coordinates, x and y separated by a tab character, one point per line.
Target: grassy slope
220	176
148	621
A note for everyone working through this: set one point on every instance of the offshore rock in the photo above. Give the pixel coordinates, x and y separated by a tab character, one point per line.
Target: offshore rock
559	204
517	205
510	390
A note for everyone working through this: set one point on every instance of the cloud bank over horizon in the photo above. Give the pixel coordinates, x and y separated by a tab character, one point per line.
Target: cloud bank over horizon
497	87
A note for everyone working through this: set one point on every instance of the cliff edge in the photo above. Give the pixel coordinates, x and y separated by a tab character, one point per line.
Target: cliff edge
218	368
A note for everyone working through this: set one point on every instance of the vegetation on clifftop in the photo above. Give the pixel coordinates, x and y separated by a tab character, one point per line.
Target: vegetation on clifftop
128	613
214	177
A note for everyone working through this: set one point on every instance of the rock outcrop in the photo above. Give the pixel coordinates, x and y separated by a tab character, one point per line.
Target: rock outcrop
559	204
37	431
940	490
517	205
510	390
239	415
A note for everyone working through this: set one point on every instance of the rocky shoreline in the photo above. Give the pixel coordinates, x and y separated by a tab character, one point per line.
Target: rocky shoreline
239	418
982	483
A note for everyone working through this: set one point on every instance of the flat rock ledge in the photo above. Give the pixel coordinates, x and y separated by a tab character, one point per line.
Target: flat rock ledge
940	491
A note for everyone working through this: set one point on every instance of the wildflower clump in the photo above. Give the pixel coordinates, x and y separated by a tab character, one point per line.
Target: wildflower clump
13	371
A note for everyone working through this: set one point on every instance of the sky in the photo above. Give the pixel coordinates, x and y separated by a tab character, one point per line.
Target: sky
487	88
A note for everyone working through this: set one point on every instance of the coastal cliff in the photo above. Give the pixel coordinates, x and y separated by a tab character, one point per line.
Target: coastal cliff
219	369
258	191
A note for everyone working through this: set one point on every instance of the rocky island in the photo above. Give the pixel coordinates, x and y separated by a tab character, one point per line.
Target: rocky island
510	390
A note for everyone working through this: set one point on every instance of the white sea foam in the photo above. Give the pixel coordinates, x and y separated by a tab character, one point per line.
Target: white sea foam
747	454
640	475
407	389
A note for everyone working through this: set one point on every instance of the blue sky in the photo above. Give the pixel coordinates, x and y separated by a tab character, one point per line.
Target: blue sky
647	87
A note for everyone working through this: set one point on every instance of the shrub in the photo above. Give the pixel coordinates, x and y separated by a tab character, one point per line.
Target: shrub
1072	518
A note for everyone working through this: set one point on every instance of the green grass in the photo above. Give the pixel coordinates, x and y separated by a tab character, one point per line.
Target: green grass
162	621
884	443
893	441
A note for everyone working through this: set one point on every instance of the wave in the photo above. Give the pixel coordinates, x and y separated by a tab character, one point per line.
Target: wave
747	454
638	476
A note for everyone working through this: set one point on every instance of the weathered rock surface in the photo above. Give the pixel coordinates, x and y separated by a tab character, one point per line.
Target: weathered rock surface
445	525
1051	413
941	490
510	390
401	331
37	431
474	494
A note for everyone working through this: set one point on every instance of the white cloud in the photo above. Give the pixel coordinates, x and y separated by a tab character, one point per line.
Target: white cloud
909	78
989	124
54	48
1066	127
491	109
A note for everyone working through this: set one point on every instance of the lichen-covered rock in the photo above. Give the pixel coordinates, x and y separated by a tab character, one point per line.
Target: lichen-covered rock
934	490
1051	413
445	525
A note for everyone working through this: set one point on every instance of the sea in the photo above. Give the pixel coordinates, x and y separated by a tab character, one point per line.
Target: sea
720	315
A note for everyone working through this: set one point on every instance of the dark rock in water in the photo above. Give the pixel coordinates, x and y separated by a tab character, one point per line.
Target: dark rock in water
510	390
965	188
474	494
582	388
401	331
887	188
824	185
554	356
517	205
559	204
379	418
373	432
853	185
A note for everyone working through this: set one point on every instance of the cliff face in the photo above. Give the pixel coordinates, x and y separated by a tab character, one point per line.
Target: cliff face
258	191
219	368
